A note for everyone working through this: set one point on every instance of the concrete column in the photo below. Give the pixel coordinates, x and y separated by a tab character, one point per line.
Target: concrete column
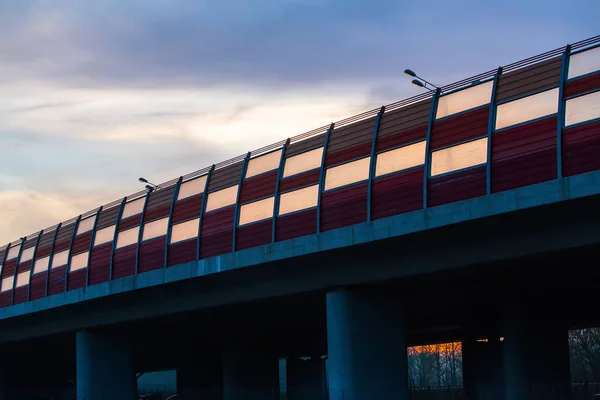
306	379
366	347
105	369
4	385
483	368
536	355
250	373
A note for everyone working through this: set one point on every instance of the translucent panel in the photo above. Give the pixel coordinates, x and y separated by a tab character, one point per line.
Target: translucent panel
79	261
86	225
127	237
265	163
257	211
399	159
584	63
527	108
582	108
104	235
41	265
303	162
13	252
458	157
23	278
185	230
133	208
27	254
7	283
221	198
464	99
300	199
346	174
191	188
155	229
60	259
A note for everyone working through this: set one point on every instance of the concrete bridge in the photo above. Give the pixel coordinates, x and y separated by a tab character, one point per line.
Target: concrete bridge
466	213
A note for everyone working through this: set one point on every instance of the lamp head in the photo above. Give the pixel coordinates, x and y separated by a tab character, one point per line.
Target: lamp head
150	188
143	180
410	73
417	83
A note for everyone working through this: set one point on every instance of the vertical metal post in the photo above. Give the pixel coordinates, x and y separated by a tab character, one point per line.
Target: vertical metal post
427	169
51	257
203	210
68	270
490	131
322	175
91	247
12	295
31	267
4	262
561	109
141	232
168	237
276	198
116	235
237	200
373	160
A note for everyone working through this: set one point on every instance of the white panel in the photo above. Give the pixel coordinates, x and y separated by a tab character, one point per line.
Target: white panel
13	252
400	159
79	261
221	198
27	254
346	174
104	235
582	108
303	162
127	237
41	264
155	229
191	188
60	259
584	63
458	157
265	163
185	230
257	210
300	199
7	283
23	278
86	225
464	99
133	208
528	108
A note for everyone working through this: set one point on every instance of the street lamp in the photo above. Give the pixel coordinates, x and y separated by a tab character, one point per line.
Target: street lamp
150	186
419	81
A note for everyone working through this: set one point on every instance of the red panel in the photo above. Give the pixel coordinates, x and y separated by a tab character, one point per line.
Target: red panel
56	280
300	180
524	155
81	242
219	220
397	194
152	254
77	279
187	209
217	232
258	186
582	85
21	294
24	266
581	147
124	262
459	128
9	268
5	298
253	235
39	253
457	186
100	264
60	246
343	207
129	222
38	286
401	138
158	212
347	154
182	252
297	224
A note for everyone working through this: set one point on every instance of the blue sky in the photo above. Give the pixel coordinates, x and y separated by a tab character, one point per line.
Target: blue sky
95	94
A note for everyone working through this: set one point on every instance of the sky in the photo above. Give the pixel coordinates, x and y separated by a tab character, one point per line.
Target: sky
95	94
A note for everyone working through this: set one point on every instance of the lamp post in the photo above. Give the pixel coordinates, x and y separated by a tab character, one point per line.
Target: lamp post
418	82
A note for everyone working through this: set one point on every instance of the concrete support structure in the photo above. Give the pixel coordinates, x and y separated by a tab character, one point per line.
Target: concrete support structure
483	373
250	372
200	379
306	379
105	368
4	385
366	337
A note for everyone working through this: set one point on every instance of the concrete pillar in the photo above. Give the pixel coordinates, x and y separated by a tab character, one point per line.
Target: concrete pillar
366	347
4	385
306	379
483	368
536	355
250	373
105	369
